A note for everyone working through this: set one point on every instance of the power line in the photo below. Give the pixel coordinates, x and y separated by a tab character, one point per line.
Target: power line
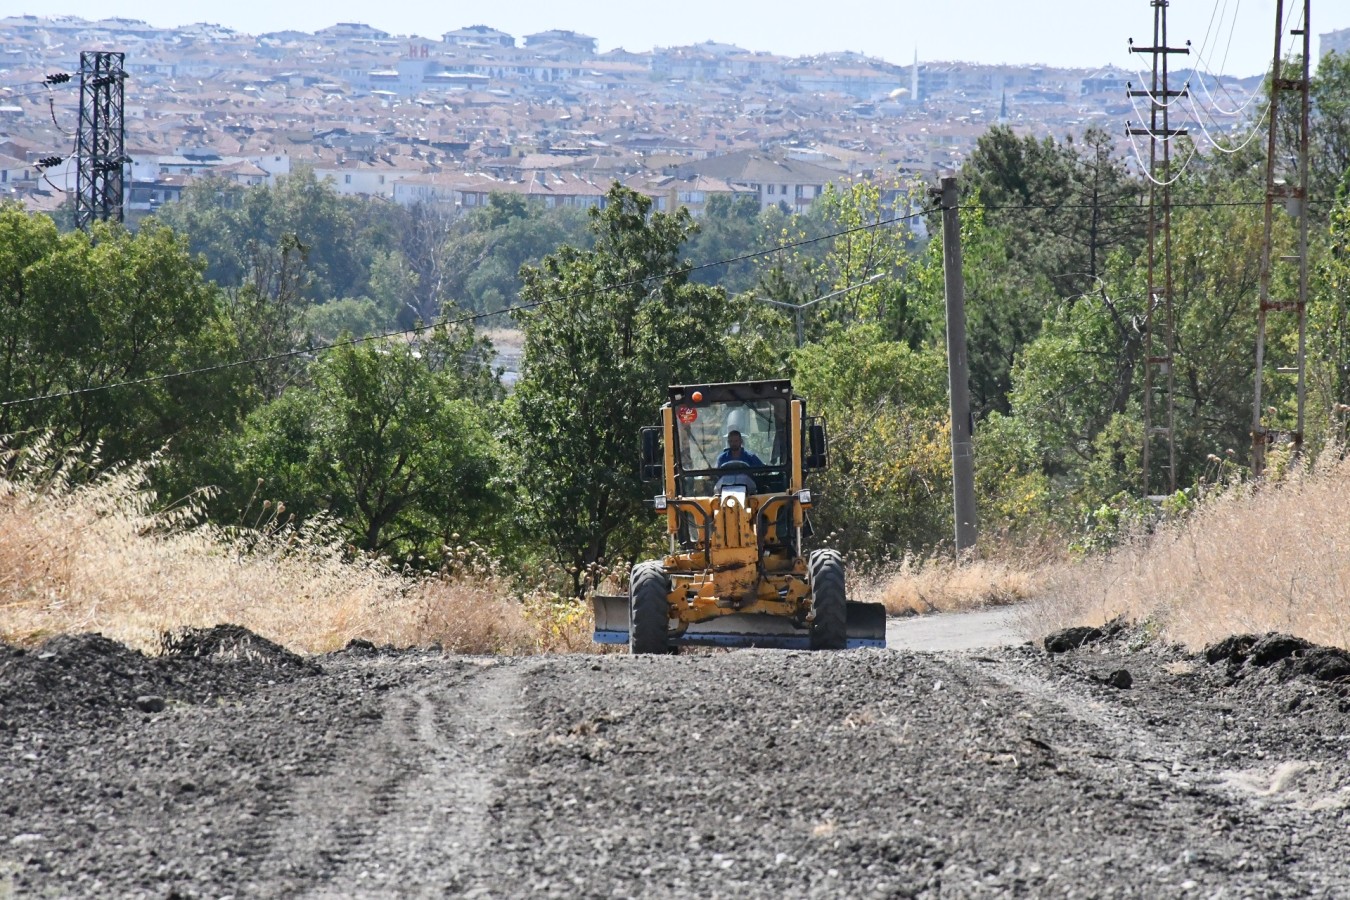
1223	63
1214	142
51	105
1144	167
1204	42
1218	79
52	79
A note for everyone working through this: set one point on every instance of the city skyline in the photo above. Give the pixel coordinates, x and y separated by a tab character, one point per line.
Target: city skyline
1225	38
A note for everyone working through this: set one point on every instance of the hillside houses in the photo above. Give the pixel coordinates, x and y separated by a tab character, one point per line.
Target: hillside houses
547	115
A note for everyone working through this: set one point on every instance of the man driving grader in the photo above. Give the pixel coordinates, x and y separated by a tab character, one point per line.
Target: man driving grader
736	574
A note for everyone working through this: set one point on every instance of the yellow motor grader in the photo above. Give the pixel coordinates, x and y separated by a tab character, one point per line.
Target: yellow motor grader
732	459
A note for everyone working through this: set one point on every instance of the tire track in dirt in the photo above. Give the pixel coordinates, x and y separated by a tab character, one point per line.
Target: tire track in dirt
404	806
436	828
1151	748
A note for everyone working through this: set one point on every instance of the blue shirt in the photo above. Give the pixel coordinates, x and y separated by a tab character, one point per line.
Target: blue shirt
746	457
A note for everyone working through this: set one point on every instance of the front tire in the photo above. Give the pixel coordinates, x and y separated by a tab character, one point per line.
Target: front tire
648	609
829	628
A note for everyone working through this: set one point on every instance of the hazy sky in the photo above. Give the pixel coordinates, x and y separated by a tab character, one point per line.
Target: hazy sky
1227	36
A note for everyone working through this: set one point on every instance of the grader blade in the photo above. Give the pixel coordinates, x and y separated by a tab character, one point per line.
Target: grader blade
866	628
611	618
866	624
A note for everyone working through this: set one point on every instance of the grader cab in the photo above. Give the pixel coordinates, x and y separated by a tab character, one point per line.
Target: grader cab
732	460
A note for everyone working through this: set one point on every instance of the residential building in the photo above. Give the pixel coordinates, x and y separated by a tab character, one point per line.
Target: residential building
777	180
1335	42
478	37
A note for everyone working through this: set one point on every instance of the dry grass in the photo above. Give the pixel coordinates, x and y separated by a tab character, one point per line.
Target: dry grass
918	585
1271	558
104	557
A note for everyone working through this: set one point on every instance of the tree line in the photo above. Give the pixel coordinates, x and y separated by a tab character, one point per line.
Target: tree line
411	445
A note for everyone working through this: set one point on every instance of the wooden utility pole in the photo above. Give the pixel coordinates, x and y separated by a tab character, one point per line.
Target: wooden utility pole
958	371
1290	187
1160	325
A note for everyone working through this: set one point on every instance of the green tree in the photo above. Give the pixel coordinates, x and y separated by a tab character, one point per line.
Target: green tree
1328	135
730	227
1329	333
101	319
392	440
225	223
490	245
610	328
888	486
268	313
1005	305
1040	222
1066	207
1078	385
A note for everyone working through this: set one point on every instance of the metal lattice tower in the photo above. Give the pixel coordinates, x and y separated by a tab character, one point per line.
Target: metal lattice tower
99	152
1265	421
1160	313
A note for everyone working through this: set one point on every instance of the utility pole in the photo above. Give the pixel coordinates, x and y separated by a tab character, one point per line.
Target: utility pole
958	370
799	309
1295	198
99	151
1160	314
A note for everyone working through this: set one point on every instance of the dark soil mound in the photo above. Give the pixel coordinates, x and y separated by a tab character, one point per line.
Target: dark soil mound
83	677
1285	655
1067	639
76	673
228	643
361	648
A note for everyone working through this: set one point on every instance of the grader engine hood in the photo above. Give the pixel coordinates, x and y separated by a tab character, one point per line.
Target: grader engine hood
732	524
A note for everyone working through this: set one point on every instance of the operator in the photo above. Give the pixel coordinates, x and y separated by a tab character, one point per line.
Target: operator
735	451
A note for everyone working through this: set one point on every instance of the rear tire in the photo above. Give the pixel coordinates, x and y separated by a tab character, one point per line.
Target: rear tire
648	609
829	628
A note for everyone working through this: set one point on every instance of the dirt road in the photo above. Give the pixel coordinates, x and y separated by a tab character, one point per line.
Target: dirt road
749	773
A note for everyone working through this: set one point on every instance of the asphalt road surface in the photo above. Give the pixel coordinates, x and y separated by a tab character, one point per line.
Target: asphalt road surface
230	768
981	629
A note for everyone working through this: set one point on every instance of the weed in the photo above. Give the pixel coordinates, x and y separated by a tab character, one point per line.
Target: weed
84	548
1272	555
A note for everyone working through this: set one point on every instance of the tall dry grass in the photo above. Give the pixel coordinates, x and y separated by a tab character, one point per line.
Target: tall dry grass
1254	558
104	555
918	585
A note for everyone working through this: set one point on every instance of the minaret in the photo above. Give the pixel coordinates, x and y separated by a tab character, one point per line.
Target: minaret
914	78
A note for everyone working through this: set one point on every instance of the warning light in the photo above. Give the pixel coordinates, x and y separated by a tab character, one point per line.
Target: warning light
697	396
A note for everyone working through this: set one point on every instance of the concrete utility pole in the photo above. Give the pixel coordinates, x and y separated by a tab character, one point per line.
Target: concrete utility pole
958	370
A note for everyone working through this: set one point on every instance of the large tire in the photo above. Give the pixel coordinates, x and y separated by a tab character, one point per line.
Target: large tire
648	609
829	628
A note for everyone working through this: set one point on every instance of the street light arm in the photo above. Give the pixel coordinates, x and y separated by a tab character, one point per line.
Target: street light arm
829	296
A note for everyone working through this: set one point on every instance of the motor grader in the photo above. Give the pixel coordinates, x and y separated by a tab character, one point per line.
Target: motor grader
736	574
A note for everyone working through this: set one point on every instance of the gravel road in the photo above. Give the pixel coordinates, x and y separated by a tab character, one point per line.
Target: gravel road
228	767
